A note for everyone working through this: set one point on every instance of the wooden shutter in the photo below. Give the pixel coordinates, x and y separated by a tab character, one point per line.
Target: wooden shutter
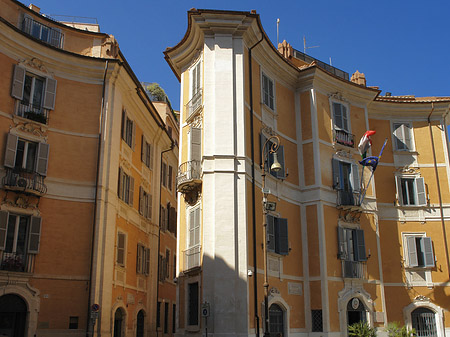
398	184
342	244
131	191
34	235
344	118
270	230
407	131
412	251
120	184
280	154
18	82
191	238
149	206
139	263
147	261
42	158
360	245
50	94
282	236
124	126
337	115
10	152
196	144
120	248
143	150
151	155
421	194
355	178
172	220
141	200
427	249
3	228
133	135
169	177
336	166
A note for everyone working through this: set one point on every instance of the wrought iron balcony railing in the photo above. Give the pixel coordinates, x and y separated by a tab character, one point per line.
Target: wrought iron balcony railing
52	36
347	198
354	269
189	176
16	262
344	138
29	182
32	112
194	104
192	257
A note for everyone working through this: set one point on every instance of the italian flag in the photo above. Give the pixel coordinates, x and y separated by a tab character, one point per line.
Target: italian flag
365	143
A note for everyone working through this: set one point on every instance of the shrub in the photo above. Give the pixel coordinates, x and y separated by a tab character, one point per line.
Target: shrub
361	329
394	330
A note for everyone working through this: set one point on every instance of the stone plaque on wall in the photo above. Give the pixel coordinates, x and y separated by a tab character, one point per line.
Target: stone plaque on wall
294	288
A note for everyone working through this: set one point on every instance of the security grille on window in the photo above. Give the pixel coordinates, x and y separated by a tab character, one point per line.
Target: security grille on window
277	235
317	321
345	181
35	94
419	251
126	187
352	250
145	203
143	260
281	174
268	91
411	191
403	136
128	130
120	252
340	117
147	153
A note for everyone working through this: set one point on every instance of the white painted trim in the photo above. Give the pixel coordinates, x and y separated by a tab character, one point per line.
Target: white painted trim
323	266
425	303
315	136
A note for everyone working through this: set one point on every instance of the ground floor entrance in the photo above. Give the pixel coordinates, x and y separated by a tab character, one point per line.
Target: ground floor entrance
13	316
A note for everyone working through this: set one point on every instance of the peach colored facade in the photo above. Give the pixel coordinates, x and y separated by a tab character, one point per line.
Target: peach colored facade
80	225
334	258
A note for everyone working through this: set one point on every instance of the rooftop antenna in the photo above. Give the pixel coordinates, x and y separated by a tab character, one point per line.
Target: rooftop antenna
304	45
331	64
278	24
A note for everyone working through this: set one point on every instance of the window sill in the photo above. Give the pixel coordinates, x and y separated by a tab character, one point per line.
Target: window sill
405	152
268	108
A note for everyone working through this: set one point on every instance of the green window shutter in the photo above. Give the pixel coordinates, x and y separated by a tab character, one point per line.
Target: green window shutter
131	191
336	173
42	158
342	244
398	184
34	235
282	236
270	230
10	152
3	228
360	245
427	249
412	251
421	194
18	82
50	94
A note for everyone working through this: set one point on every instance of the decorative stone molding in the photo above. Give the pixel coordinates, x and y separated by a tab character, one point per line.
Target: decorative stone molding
28	126
197	121
350	216
24	202
421	298
125	164
344	154
37	64
338	96
274	291
407	170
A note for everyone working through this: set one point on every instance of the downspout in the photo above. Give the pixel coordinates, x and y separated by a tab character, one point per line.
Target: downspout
439	190
252	143
172	145
94	222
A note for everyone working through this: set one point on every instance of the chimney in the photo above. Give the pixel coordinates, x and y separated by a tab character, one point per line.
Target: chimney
285	49
34	8
359	78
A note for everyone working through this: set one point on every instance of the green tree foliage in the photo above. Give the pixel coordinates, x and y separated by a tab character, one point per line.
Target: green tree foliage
394	330
361	329
156	92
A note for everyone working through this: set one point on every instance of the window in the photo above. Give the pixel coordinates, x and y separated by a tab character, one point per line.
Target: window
195	90
170	178
126	187
158	315
424	322
121	240
73	322
50	35
270	157
35	94
143	260
172	219
128	129
277	235
162	268
340	117
192	253
268	91
164	174
147	153
403	136
317	321
411	191
193	304
345	181
164	218
174	313
166	317
19	236
174	267
145	203
167	263
418	251
276	320
352	250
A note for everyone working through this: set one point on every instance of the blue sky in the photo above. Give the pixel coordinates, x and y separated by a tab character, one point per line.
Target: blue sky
401	46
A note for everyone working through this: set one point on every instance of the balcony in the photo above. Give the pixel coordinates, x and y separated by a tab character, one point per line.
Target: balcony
28	182
189	176
354	269
344	138
34	113
52	36
347	199
16	262
192	258
194	104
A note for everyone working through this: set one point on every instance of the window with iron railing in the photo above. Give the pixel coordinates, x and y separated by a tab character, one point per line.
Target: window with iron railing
352	252
51	35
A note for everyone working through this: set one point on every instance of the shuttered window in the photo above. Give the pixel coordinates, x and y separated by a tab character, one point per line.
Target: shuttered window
340	117
351	244
19	234
145	203
128	130
120	253
195	144
143	260
164	175
268	95
125	187
277	235
411	191
196	79
403	136
146	153
419	251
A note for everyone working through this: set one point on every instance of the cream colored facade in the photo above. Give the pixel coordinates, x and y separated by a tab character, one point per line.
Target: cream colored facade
332	260
81	184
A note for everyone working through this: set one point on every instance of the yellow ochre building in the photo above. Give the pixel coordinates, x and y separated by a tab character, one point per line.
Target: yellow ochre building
331	260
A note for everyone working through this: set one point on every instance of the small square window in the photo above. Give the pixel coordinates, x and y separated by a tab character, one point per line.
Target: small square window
73	322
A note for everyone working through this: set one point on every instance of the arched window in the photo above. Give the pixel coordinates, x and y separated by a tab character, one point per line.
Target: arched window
356	312
119	323
424	322
140	324
276	320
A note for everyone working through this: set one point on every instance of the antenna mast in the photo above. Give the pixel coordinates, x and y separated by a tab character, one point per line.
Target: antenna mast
304	45
278	24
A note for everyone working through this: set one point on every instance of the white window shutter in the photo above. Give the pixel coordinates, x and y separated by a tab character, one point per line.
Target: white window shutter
412	251
398	184
18	82
191	239
131	191
34	235
10	152
50	94
3	228
355	175
427	248
196	144
421	194
42	158
407	132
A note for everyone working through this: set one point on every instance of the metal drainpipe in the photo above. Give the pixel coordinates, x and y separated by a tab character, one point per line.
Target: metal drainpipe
439	190
159	236
94	222
255	283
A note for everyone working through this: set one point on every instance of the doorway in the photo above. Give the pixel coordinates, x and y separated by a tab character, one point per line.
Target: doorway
13	316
